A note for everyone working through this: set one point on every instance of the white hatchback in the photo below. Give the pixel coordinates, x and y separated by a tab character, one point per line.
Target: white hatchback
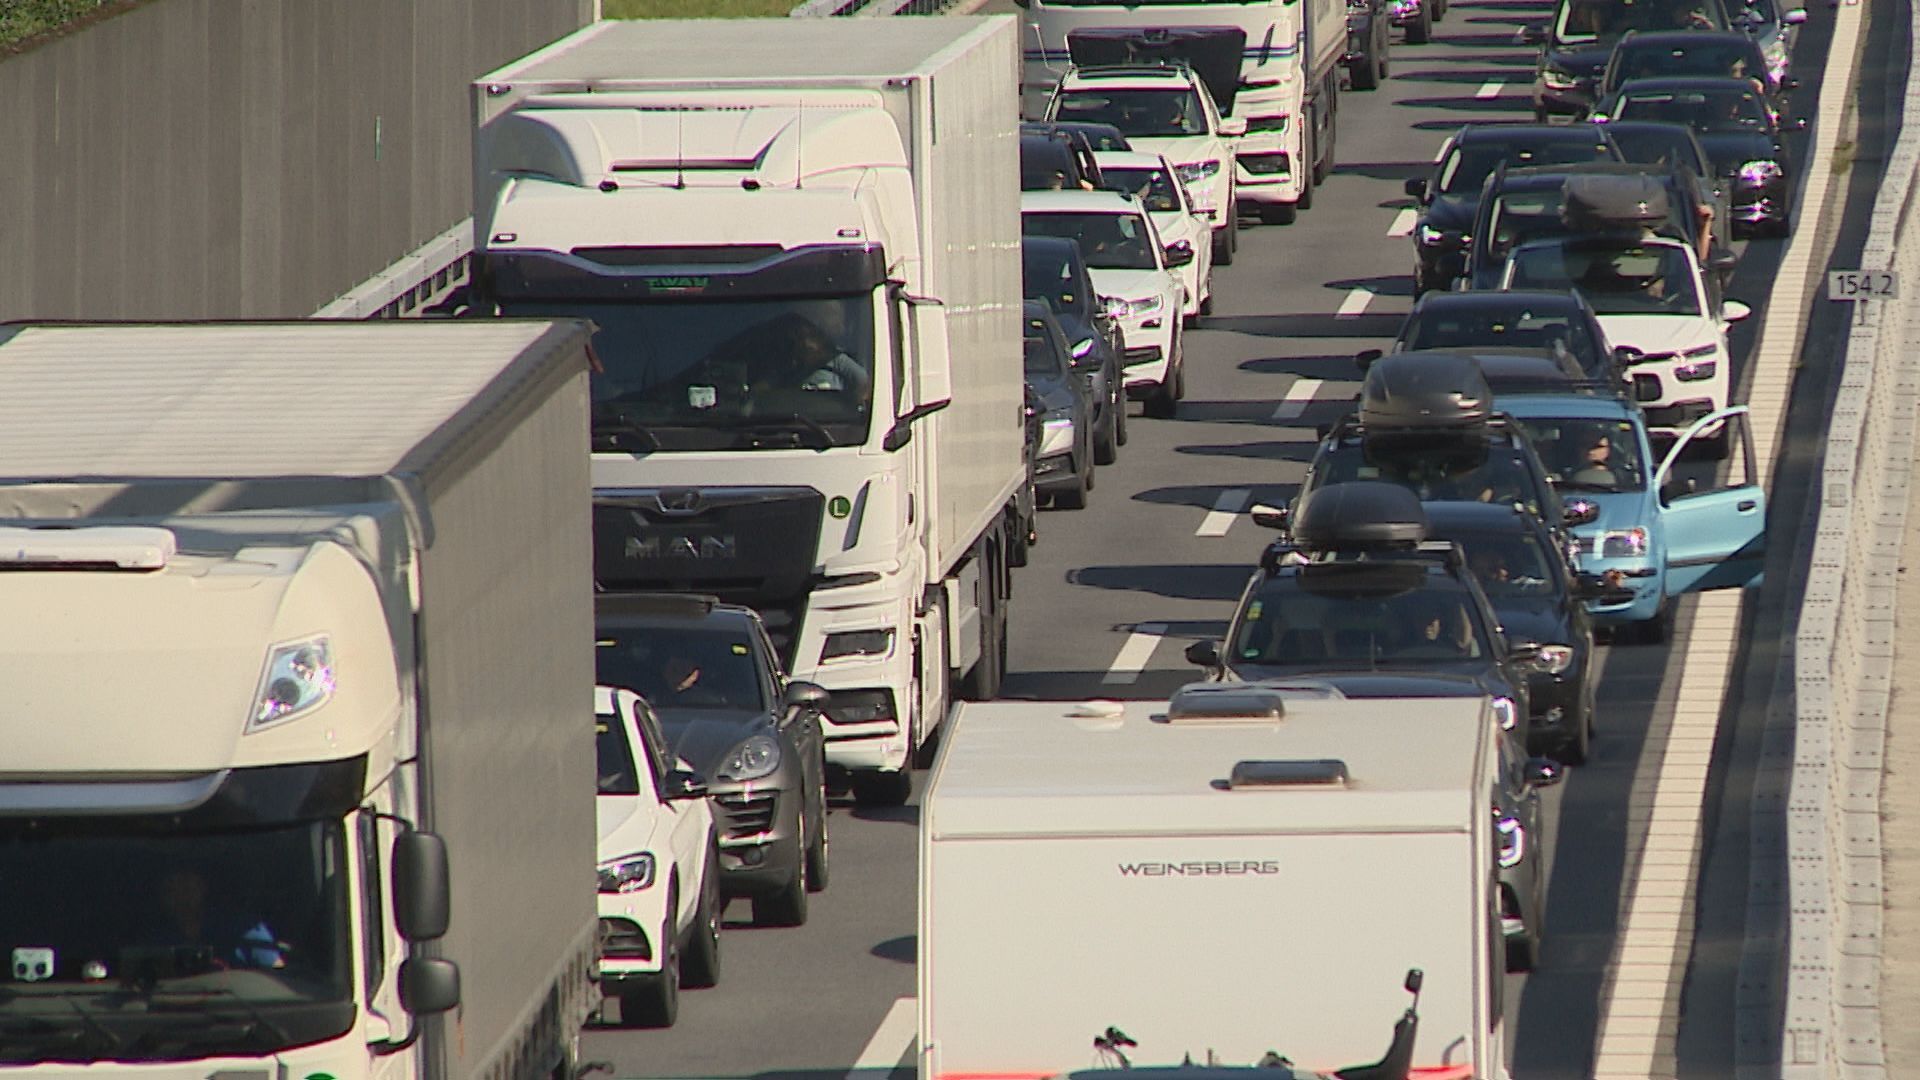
1151	179
1136	277
1651	299
660	901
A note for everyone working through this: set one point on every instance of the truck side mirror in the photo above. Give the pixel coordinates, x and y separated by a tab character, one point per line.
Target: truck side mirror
1204	654
420	890
1179	253
805	696
931	372
429	985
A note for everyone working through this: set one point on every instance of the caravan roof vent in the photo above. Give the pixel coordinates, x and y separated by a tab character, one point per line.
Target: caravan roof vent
1318	772
1358	515
1211	703
95	547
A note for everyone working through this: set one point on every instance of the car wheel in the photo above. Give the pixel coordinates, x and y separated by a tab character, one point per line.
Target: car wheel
788	905
1206	295
1575	748
1223	241
819	868
1279	213
1654	631
1119	414
872	787
1075	497
701	966
656	1002
1106	440
1420	30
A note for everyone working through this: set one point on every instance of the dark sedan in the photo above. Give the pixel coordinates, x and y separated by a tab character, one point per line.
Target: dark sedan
1682	53
1367	43
1743	138
1577	41
1450	196
1064	472
1053	271
728	711
1552	322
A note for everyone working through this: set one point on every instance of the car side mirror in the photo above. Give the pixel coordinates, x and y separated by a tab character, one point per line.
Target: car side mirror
1179	253
805	696
1233	126
1542	772
421	896
1204	654
1734	311
1794	16
1721	260
682	784
1533	34
1269	517
1626	355
1580	512
429	985
1788	84
1416	187
1365	357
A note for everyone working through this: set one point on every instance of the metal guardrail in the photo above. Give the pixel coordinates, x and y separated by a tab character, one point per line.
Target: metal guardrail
1843	662
422	278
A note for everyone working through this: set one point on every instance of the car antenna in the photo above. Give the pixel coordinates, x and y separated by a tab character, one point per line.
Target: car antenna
679	149
800	122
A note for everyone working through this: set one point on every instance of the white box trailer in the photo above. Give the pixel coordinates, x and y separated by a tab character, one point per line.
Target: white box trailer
1192	874
723	198
288	599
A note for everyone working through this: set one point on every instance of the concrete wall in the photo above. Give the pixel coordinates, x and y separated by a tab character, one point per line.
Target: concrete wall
250	158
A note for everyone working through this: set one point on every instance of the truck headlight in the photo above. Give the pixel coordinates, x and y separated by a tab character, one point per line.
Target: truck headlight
1195	171
299	678
1622	543
1758	173
629	873
1505	712
1555	659
857	643
753	759
1513	841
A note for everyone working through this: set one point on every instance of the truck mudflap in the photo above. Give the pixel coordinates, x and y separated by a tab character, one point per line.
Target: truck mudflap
1213	52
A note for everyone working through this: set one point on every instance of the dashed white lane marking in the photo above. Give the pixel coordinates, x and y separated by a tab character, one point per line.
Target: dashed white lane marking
1355	303
1299	396
1490	89
892	1041
1134	654
1403	222
1226	509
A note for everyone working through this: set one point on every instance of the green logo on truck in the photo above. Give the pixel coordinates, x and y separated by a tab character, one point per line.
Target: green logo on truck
676	284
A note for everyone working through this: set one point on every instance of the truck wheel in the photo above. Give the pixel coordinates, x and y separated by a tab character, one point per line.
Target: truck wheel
1311	156
656	1003
983	682
701	966
788	906
874	788
1020	544
1367	75
1420	31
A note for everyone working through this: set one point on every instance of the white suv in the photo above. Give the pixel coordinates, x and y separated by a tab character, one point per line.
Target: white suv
660	901
1151	179
1137	279
1168	111
1652	299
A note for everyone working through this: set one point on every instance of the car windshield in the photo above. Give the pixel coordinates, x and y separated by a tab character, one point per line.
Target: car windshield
1490	474
1047	276
1509	563
680	666
1467	166
1043	358
1517	217
618	776
1153	187
1631	280
1652	145
1590	20
1705	111
1558	331
1136	113
1590	455
724	375
1713	56
1757	15
1107	241
1288	624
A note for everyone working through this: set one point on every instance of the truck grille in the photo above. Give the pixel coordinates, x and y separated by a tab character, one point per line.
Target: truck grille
743	817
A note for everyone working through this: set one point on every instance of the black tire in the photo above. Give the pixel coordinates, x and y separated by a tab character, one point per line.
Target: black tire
1119	414
1312	156
1279	213
1020	539
1075	497
656	1003
1323	162
1223	243
1654	631
1206	296
819	861
983	682
1420	31
1106	440
875	788
1576	748
1522	952
1367	75
786	906
700	963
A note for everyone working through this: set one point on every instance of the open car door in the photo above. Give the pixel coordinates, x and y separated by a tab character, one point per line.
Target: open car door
1716	527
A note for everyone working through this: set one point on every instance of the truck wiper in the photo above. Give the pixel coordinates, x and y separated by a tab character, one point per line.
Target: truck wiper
48	1038
256	1021
793	423
613	427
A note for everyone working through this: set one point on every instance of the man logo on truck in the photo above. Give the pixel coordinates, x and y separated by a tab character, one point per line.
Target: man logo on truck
682	546
1209	868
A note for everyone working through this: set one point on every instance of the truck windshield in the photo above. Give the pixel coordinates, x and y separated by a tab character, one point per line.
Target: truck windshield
1288	625
764	374
133	939
1107	241
1139	114
1630	280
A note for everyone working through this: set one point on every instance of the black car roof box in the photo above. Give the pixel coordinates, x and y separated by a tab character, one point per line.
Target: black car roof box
1213	52
1359	514
1612	203
1426	392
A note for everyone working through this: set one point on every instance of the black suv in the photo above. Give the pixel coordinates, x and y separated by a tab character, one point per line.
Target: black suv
728	710
1493	320
1578	39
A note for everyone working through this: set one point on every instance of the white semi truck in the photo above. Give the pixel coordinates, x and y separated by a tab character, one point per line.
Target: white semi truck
1288	54
1243	869
299	666
799	241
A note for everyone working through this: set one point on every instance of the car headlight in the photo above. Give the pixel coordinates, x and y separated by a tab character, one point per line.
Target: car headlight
1505	712
857	643
1558	79
629	873
756	757
1697	370
1119	308
1622	543
299	678
1056	433
1513	841
1195	171
1555	659
1757	173
1082	348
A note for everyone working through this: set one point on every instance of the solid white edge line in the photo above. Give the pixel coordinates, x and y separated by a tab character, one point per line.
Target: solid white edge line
1134	654
892	1041
1226	510
1403	222
1299	396
1490	89
1354	304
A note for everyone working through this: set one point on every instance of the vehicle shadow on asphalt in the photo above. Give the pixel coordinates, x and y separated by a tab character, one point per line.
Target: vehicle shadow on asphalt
1469	77
1221	582
1501	105
1379	285
1385	170
1309	326
1300	452
1206	496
